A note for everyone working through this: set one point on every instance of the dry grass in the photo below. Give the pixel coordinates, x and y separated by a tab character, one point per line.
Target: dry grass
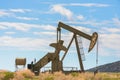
28	75
79	76
23	74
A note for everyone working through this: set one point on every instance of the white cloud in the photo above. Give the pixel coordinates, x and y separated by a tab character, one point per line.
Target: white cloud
87	4
91	5
45	33
48	27
25	26
9	33
109	44
93	23
2	27
112	30
20	10
111	40
11	13
116	21
27	18
17	26
23	43
62	10
80	17
86	22
3	13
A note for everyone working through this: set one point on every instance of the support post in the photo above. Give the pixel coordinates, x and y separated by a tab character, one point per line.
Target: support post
67	48
79	55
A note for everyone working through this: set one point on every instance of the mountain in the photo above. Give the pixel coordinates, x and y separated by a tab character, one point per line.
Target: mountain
110	67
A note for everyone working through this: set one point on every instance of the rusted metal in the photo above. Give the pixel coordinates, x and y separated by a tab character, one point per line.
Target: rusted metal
20	61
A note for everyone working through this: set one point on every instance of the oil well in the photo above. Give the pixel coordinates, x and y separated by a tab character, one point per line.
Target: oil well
54	58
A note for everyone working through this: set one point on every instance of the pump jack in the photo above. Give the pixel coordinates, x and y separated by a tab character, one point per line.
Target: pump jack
54	57
76	32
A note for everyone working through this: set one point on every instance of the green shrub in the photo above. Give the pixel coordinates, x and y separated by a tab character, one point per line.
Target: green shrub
49	78
74	74
8	75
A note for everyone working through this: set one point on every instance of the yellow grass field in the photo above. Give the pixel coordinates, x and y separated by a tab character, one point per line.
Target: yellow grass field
28	75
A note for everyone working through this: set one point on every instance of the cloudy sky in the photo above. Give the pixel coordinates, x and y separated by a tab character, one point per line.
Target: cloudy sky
27	27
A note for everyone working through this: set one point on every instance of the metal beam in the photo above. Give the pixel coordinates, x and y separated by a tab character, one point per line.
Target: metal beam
75	31
67	48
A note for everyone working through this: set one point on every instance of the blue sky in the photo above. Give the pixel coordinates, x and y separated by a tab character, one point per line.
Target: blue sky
27	27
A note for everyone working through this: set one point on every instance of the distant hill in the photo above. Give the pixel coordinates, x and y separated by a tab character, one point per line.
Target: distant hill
110	67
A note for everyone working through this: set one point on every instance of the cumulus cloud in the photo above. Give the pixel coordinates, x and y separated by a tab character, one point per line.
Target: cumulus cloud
62	10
